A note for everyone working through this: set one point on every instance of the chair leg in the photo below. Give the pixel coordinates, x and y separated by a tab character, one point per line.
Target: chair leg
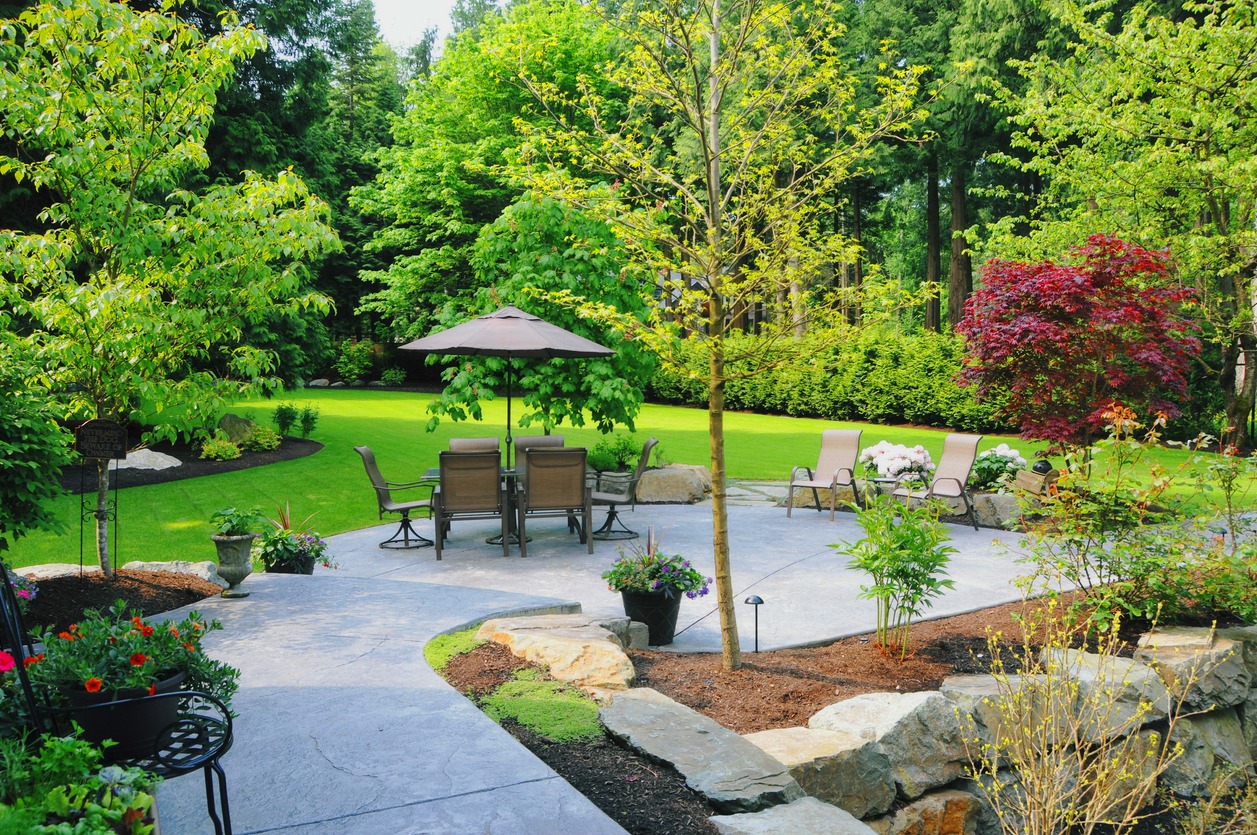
790	500
523	537
609	529
221	826
406	534
816	497
441	530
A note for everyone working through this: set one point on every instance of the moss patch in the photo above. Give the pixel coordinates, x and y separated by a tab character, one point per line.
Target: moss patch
551	709
442	648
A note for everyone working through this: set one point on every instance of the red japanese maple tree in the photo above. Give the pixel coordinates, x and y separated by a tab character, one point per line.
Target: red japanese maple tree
1063	343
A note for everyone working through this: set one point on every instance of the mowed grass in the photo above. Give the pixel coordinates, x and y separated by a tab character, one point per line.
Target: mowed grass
170	521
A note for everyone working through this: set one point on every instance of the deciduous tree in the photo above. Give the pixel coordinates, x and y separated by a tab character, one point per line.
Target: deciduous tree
134	286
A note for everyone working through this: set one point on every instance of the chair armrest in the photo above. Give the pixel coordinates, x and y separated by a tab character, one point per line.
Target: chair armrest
955	481
838	479
795	472
407	485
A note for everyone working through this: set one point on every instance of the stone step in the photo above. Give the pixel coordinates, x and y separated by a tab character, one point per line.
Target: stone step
808	815
733	774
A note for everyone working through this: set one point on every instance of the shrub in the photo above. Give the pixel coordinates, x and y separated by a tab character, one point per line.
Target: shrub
903	553
996	468
219	448
309	418
393	377
615	453
285	415
355	360
261	438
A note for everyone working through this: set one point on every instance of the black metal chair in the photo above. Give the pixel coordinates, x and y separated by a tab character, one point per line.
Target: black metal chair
406	535
196	740
609	529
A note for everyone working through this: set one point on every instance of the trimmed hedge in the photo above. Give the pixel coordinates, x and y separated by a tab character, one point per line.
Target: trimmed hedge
872	374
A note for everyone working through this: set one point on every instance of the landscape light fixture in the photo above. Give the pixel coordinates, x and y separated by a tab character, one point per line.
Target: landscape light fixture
756	601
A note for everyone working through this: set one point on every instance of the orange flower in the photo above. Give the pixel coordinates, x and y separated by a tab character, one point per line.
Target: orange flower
174	631
66	636
138	659
136	621
74	627
33	660
152	689
146	631
189	647
92	685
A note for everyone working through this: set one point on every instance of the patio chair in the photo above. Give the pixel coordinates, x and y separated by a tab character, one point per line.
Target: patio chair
470	488
197	739
835	467
474	444
614	527
553	484
527	442
385	496
951	477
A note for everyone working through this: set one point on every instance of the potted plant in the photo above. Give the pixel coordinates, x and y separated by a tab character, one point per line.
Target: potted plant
651	584
233	536
291	549
115	655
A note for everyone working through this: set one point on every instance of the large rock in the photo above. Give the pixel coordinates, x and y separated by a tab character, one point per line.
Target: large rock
1211	743
1202	669
1248	722
206	570
319	383
807	815
734	775
575	648
1115	695
147	459
1246	637
803	497
919	732
674	484
948	812
235	427
839	768
996	510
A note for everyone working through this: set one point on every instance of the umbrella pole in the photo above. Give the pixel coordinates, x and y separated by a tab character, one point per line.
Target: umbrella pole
509	444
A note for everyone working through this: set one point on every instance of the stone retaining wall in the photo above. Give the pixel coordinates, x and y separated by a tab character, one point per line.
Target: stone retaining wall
859	758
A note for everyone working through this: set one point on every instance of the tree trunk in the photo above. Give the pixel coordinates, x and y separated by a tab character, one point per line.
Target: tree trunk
933	246
960	275
731	649
1239	390
101	515
857	234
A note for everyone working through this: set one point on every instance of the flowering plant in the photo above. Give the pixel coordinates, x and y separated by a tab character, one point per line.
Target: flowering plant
24	589
995	467
646	570
896	461
118	650
286	545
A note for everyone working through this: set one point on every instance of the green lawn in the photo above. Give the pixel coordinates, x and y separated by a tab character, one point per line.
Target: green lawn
170	521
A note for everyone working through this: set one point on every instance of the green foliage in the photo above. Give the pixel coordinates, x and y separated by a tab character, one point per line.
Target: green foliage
996	468
286	543
874	373
33	449
219	448
442	648
552	709
646	570
133	285
393	376
903	553
261	438
616	453
57	780
309	418
355	360
231	521
285	415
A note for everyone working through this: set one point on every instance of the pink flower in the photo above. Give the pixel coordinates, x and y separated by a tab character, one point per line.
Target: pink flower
6	662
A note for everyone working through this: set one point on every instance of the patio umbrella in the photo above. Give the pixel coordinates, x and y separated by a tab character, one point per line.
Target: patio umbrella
509	333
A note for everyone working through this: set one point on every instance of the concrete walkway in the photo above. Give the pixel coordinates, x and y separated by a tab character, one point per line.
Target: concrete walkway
344	728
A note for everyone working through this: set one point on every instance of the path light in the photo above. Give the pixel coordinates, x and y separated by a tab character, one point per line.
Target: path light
756	601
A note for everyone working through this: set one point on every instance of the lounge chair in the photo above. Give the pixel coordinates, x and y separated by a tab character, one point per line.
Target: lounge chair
553	484
628	495
951	477
387	501
835	467
470	488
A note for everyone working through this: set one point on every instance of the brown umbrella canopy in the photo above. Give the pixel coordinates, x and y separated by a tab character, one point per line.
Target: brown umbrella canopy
509	333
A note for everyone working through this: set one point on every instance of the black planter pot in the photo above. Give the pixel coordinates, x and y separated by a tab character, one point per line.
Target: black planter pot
135	725
304	565
655	609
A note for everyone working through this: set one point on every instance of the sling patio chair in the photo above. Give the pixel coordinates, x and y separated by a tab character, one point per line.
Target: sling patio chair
627	495
471	488
835	467
386	499
474	444
553	484
952	475
527	442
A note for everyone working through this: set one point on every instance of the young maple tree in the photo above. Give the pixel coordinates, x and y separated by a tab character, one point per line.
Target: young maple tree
1064	343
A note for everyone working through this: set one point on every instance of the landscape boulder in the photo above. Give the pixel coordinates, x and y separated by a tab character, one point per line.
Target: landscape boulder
1121	692
1204	670
235	427
674	484
203	570
918	732
839	768
806	815
1210	743
948	812
575	648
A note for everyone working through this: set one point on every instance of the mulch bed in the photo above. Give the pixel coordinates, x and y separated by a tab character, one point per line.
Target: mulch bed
62	600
